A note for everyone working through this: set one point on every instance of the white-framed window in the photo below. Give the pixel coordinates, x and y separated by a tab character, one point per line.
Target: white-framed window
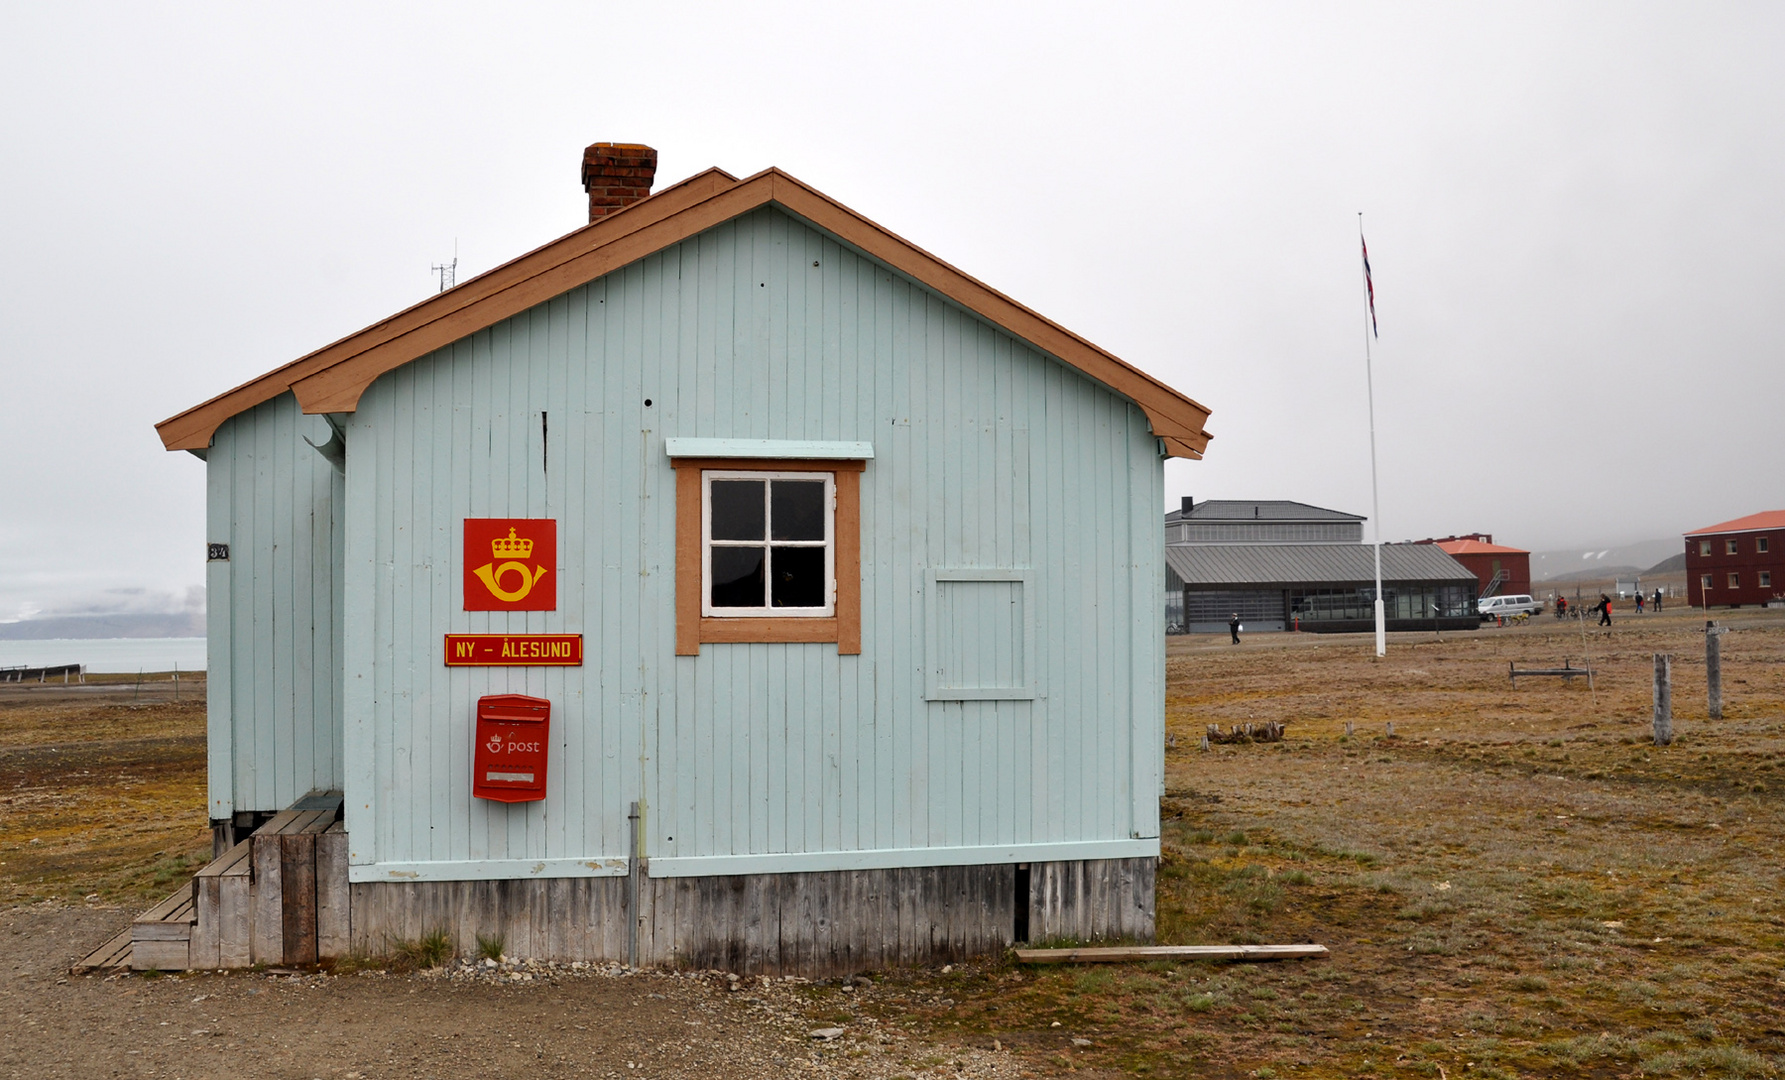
1761	546
1704	548
1704	582
768	544
1766	579
1735	581
1730	547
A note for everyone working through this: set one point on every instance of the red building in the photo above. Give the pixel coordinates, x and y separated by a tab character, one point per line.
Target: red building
1737	562
1502	571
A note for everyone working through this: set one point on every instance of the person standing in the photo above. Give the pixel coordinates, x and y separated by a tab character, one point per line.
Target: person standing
1657	601
1233	627
1639	603
1604	610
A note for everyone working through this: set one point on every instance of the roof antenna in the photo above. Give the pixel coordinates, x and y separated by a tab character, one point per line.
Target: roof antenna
449	272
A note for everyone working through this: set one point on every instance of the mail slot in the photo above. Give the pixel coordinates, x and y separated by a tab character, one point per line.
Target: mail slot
509	761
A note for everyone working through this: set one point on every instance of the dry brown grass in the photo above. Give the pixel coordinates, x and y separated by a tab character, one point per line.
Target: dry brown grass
102	794
1516	884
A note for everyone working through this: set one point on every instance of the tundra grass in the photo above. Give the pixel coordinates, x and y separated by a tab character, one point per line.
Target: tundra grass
102	798
1518	883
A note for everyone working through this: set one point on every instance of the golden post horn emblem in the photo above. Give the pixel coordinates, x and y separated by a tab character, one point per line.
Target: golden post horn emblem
506	554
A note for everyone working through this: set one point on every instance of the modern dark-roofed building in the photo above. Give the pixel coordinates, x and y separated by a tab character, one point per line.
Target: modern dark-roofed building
1324	588
1261	521
1284	565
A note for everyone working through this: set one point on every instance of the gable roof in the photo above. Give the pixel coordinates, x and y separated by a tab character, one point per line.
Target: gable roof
1477	547
332	378
1766	519
1258	510
1309	564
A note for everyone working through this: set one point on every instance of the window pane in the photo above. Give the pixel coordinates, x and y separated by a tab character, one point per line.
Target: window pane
799	576
737	513
737	574
797	509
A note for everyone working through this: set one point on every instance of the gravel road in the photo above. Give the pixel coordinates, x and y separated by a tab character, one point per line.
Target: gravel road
532	1021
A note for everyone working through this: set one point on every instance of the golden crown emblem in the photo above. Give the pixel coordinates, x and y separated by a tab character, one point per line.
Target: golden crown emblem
512	547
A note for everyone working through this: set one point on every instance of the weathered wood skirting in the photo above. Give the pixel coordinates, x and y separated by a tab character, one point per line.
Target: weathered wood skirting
808	924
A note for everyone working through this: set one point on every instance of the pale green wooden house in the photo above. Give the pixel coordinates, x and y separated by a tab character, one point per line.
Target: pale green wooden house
863	559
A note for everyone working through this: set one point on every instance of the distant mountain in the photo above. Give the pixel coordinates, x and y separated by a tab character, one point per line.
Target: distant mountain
1672	565
181	624
1576	564
1598	573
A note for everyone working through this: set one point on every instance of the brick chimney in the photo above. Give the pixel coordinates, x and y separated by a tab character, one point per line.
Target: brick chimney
616	175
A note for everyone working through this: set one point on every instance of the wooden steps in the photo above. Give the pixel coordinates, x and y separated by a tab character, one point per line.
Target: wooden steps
114	955
277	897
225	893
286	896
160	937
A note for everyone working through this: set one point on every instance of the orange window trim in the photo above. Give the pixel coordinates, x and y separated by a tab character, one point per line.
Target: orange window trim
845	628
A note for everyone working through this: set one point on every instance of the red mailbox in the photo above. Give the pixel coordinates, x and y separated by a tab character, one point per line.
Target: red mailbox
508	763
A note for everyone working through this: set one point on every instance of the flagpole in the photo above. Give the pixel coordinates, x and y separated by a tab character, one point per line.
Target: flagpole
1375	493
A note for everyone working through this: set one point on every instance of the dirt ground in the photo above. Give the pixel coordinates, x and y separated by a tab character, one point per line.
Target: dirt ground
1516	883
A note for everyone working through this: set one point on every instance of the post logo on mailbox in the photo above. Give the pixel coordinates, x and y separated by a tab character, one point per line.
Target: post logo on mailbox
508	564
513	737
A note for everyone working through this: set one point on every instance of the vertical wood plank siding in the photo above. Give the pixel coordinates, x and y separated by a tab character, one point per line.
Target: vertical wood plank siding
274	630
987	455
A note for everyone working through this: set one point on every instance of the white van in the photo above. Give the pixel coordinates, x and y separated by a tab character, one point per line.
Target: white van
1506	607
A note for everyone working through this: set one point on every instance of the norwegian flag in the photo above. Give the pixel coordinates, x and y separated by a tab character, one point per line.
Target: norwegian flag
1369	287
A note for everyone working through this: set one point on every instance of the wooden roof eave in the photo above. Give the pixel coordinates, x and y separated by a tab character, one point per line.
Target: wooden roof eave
1175	418
332	379
194	428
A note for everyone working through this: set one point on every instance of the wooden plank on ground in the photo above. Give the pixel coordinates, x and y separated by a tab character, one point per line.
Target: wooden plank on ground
1116	955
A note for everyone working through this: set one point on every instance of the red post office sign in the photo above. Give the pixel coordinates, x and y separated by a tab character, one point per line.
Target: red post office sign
513	735
510	564
514	650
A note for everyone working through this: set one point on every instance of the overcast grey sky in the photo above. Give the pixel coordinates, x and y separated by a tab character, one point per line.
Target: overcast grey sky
1574	214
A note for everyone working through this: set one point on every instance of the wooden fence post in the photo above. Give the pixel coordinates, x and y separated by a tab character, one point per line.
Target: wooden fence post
1663	699
1713	668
